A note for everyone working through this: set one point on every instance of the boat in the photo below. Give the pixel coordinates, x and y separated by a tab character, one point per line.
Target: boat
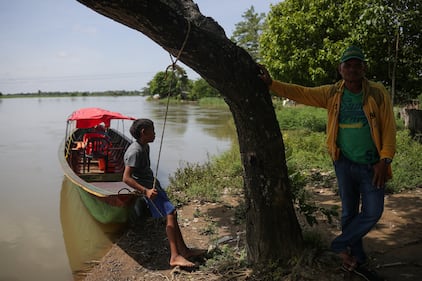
91	156
85	239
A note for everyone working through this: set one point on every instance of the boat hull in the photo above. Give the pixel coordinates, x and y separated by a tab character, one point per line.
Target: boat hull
108	199
102	210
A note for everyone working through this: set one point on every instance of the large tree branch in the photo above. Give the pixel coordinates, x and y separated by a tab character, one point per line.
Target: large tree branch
272	228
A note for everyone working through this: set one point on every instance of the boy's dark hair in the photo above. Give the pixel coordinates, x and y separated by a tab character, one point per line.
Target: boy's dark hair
138	125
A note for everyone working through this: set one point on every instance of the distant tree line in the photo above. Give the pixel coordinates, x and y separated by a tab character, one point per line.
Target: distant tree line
174	83
73	94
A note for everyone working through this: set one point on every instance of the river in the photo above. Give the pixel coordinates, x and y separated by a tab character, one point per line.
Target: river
46	234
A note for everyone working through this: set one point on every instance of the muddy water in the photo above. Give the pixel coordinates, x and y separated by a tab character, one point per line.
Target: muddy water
45	233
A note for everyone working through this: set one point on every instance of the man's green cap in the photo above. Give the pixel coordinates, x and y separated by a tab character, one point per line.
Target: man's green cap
352	52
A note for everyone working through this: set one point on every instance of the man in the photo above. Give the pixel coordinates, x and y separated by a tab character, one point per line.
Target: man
361	139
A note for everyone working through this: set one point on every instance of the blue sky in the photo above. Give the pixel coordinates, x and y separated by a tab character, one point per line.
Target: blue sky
61	45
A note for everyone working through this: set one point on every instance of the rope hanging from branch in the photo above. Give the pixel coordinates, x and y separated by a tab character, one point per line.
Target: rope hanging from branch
173	66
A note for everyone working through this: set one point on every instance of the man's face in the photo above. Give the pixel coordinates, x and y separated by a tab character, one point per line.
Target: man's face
352	70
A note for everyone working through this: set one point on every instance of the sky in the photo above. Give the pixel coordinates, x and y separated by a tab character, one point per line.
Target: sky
63	46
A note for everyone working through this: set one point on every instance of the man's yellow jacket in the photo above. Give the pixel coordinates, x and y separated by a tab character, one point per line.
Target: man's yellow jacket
376	105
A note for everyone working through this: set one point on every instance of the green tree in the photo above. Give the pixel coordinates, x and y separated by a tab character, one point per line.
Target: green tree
390	32
201	89
159	85
247	32
304	39
174	83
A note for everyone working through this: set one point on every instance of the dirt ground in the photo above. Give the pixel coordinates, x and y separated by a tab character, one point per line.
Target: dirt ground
394	246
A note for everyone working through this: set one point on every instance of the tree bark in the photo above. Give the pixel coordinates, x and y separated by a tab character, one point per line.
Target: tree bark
273	232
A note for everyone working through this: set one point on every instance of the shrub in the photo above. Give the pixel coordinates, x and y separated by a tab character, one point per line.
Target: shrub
206	182
308	149
302	117
407	164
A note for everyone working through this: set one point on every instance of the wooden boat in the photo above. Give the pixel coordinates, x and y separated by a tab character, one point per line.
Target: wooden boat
91	156
80	229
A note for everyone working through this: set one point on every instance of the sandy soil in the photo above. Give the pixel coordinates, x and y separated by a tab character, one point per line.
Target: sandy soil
394	246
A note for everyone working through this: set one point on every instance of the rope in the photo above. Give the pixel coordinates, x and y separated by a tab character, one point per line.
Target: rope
174	67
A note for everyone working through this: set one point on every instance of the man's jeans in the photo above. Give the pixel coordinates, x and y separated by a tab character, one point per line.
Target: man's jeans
355	184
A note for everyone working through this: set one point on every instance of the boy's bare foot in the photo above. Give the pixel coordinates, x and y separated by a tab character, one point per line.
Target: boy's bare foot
349	262
181	261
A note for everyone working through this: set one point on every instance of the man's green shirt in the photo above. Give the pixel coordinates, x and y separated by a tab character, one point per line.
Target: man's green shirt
354	135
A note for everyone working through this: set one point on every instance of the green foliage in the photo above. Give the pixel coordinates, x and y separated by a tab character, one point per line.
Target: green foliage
303	40
383	26
159	85
72	94
308	149
407	164
301	196
174	83
225	259
189	182
247	32
206	182
201	89
308	163
213	102
179	86
301	117
308	153
307	159
420	99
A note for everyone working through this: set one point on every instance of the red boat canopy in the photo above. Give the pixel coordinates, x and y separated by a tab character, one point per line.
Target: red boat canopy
93	116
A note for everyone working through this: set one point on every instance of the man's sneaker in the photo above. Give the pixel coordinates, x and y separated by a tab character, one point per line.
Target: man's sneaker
367	274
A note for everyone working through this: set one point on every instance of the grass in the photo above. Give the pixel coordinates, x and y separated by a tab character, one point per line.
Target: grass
308	163
307	156
213	102
407	164
301	117
206	182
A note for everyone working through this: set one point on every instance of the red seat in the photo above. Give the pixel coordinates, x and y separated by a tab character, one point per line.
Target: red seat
96	148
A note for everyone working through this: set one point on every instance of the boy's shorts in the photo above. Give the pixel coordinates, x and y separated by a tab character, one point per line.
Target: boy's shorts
160	206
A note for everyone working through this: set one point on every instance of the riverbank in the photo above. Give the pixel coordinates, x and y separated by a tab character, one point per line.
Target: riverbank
394	246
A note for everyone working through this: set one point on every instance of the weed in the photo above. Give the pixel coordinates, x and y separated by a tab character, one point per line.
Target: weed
407	164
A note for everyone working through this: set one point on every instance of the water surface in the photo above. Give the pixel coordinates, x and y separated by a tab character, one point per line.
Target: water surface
38	211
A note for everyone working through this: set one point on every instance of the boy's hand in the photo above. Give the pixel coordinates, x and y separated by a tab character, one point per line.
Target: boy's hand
151	193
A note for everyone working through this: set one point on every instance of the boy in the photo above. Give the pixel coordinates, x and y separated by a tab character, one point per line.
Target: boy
138	175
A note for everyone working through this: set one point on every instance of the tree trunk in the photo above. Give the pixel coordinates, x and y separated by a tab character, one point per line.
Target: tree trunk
273	232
